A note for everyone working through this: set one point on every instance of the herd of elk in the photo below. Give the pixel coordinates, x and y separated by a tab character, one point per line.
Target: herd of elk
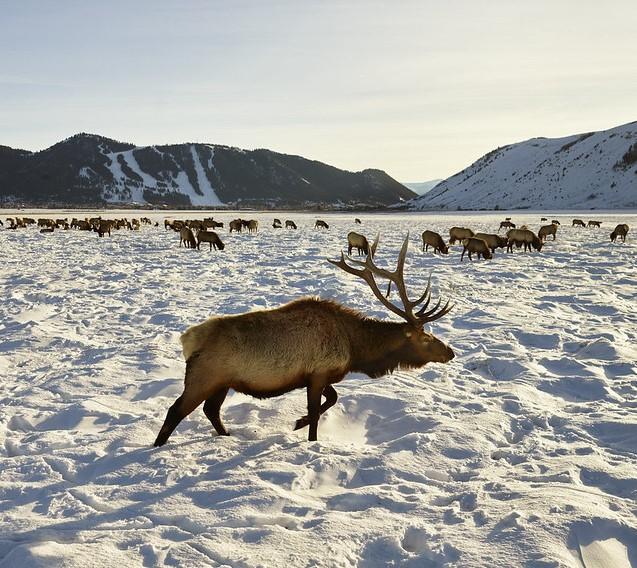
310	344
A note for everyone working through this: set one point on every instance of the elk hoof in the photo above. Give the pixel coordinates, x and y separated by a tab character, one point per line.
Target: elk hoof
302	423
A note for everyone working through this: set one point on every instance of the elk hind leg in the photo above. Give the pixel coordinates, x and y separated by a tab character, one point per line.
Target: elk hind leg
181	408
211	409
313	409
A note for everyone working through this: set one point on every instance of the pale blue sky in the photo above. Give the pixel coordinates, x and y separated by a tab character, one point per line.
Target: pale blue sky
419	89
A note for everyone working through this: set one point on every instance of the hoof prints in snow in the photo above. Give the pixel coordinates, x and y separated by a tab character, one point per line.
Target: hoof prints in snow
522	448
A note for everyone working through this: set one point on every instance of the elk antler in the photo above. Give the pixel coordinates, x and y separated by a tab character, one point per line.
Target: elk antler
396	277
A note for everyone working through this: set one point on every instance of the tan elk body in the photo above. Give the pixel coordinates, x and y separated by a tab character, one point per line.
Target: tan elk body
308	343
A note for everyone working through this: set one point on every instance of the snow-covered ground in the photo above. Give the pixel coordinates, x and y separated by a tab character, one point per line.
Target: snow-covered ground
520	452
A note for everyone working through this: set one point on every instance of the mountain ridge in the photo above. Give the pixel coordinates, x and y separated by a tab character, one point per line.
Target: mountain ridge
591	170
90	168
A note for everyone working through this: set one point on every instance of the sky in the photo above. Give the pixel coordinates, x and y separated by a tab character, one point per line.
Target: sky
418	89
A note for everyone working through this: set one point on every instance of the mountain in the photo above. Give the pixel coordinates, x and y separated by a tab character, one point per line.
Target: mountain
595	170
421	187
91	169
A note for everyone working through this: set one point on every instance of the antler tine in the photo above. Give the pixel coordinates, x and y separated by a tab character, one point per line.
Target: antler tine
367	275
426	295
447	308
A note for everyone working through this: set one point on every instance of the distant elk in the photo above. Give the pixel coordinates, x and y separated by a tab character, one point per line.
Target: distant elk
493	241
523	237
459	234
357	221
578	223
546	230
308	343
543	219
619	231
360	243
211	224
597	224
236	225
187	237
477	246
290	224
321	224
103	227
434	240
506	225
253	226
209	237
276	224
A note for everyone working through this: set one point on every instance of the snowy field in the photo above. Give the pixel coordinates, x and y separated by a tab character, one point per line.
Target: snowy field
520	452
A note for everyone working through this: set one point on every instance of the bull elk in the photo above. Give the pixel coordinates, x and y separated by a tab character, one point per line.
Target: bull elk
360	243
620	230
308	343
434	240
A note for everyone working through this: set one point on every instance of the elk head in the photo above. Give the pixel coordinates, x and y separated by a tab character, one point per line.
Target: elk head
418	347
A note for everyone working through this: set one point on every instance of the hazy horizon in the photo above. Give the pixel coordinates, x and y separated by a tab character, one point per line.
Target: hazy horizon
419	90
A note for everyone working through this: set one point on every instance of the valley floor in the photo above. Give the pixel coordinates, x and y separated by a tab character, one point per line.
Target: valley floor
520	452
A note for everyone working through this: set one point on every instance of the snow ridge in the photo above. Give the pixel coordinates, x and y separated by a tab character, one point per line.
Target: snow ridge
584	171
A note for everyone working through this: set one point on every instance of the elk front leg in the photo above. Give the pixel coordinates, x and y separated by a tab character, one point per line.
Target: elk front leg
329	392
211	409
313	409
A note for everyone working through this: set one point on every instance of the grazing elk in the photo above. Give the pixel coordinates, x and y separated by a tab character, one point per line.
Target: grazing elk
578	223
276	224
321	224
620	230
555	222
357	221
506	225
360	243
479	246
187	237
597	224
236	225
103	227
493	241
520	237
546	230
209	237
431	239
309	343
290	224
543	219
459	234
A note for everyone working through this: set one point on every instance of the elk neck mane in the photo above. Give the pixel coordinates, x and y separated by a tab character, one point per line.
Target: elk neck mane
377	346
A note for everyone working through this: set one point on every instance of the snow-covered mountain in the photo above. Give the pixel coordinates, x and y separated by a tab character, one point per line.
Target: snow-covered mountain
91	169
421	187
594	170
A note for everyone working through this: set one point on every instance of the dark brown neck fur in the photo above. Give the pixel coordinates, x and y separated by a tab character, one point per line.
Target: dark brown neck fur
378	347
